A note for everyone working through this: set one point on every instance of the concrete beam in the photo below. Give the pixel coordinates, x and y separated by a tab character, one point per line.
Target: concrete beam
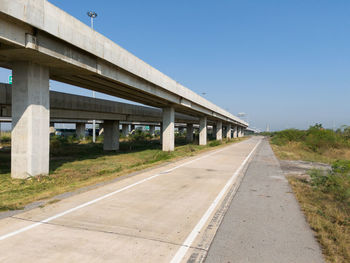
75	107
76	54
111	135
30	120
189	133
203	131
168	138
219	130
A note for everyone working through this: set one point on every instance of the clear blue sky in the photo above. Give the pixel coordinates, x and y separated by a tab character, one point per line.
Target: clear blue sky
284	63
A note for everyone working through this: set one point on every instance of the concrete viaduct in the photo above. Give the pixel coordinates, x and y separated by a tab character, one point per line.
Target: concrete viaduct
69	108
39	41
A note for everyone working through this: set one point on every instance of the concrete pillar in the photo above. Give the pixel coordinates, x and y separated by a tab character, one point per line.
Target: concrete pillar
235	135
111	135
219	130
243	132
152	129
189	133
80	130
168	137
228	131
125	129
30	120
239	132
203	131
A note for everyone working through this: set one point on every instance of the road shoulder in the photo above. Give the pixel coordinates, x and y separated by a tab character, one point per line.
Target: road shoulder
264	222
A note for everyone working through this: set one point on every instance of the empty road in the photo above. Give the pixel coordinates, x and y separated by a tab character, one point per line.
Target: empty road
167	214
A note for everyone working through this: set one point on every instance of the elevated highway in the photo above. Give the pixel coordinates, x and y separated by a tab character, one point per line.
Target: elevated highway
74	107
39	42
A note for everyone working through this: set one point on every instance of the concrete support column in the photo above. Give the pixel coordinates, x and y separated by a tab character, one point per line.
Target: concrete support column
30	120
235	135
203	131
80	130
239	132
189	133
219	130
243	132
168	137
152	129
125	129
111	135
228	131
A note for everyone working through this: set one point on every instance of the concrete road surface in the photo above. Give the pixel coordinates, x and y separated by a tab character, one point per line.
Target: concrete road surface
170	213
264	222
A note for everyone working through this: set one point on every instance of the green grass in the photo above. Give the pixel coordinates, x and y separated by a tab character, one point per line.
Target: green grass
75	164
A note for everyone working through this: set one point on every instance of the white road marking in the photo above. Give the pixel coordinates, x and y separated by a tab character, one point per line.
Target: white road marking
21	230
196	230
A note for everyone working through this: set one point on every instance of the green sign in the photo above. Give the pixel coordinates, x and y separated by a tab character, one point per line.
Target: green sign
10	79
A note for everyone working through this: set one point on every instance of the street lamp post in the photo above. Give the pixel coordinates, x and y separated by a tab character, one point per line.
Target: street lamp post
92	16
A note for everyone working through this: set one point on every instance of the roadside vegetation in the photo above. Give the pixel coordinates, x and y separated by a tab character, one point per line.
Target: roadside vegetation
5	139
324	196
315	144
77	163
325	200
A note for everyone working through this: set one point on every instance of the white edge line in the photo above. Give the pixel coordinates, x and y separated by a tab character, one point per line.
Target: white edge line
21	230
196	230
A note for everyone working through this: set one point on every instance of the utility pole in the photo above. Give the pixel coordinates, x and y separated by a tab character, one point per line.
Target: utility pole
92	16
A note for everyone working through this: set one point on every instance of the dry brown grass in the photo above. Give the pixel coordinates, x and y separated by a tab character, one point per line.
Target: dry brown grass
329	218
297	151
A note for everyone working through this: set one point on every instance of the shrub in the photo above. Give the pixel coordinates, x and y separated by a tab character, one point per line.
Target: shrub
5	139
71	139
336	182
138	135
214	143
316	138
341	166
289	135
